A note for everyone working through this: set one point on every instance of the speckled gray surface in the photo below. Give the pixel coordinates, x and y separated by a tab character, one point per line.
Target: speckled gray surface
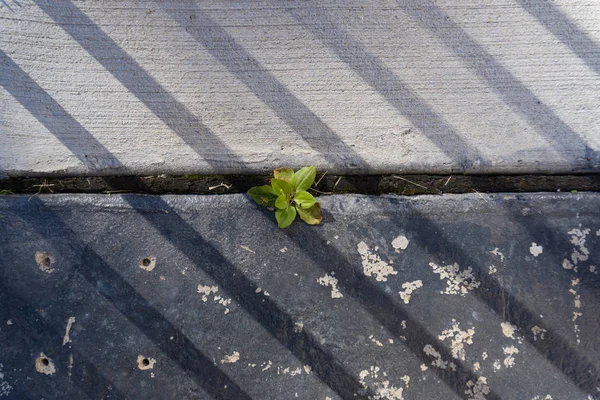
368	305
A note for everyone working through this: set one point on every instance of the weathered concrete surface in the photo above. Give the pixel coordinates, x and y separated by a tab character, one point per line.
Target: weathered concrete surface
142	87
364	306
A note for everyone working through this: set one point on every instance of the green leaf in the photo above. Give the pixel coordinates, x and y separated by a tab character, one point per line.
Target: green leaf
304	199
284	174
282	202
282	188
285	217
311	216
304	178
263	195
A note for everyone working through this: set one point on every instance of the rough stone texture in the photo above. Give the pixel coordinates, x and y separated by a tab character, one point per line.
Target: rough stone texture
142	87
321	324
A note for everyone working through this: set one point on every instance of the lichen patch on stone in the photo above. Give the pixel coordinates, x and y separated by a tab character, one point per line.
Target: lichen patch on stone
509	360
44	365
400	243
538	333
44	261
383	389
373	265
498	253
205	291
330	280
145	363
230	359
478	390
66	338
5	387
409	288
508	329
437	358
148	263
458	339
535	249
457	281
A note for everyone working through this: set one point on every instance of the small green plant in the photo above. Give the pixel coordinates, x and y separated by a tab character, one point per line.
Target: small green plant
288	194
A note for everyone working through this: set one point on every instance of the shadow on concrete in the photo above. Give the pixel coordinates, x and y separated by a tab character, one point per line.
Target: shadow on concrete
565	30
267	87
514	93
134	307
55	118
387	84
33	327
158	100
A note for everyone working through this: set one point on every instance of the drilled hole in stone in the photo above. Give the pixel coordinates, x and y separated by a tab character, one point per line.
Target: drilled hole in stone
146	362
146	262
45	361
47	261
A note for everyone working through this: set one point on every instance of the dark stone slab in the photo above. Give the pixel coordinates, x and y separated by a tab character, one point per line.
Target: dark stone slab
197	297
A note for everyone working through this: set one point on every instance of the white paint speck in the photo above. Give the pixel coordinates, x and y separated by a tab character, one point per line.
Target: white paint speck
476	366
484	355
536	249
9	322
284	249
373	265
492	269
409	288
330	280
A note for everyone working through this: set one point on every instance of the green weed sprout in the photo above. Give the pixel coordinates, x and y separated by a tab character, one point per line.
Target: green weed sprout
288	194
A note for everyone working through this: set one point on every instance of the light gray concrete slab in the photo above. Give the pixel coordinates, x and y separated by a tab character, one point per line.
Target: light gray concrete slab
142	87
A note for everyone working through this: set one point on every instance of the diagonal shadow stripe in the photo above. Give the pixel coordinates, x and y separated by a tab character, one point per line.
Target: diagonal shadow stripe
515	94
567	31
387	84
266	87
135	307
55	118
34	326
386	311
304	346
131	75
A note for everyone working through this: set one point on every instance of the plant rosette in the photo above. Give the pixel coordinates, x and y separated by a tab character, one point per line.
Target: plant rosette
288	194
